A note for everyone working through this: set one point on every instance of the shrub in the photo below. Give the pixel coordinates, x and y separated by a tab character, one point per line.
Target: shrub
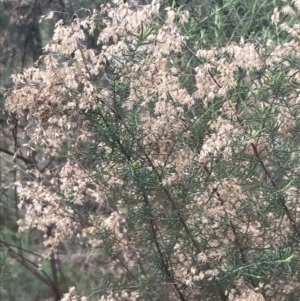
183	157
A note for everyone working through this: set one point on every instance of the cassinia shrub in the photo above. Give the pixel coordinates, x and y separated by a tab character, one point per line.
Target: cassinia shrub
183	161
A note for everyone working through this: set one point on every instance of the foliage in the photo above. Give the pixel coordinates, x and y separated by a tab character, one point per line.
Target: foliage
182	172
4	274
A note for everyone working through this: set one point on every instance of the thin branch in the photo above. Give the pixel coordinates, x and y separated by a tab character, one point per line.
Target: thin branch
166	191
30	266
274	185
195	56
164	262
27	161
